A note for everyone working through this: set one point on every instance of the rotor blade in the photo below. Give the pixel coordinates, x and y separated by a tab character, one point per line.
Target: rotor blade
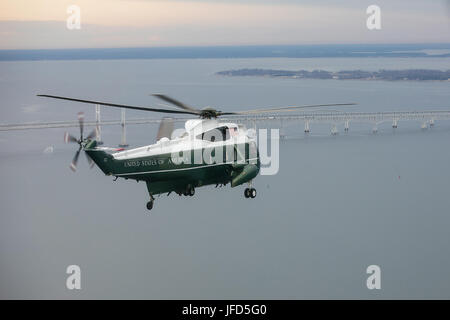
175	102
165	128
118	105
69	138
286	109
73	165
92	134
81	122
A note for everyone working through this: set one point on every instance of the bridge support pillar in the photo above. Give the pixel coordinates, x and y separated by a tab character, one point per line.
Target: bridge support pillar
123	142
282	131
307	126
424	125
346	125
375	128
395	123
334	130
98	130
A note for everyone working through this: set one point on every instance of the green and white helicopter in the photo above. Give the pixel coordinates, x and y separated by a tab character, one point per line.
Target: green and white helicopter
208	152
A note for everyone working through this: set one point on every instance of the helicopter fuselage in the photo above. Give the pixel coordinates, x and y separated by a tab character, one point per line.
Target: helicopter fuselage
197	158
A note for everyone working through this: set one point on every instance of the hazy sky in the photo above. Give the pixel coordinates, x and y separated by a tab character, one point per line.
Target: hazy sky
123	23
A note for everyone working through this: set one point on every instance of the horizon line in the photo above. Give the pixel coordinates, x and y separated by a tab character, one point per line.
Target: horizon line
237	45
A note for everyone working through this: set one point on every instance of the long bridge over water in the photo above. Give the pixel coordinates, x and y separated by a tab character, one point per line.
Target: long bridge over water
334	118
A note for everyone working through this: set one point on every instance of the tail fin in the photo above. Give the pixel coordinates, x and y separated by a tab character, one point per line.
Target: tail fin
101	158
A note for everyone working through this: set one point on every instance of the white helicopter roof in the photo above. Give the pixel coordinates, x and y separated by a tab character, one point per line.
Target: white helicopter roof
203	125
193	127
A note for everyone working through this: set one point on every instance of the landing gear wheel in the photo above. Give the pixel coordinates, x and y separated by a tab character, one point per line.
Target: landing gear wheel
252	193
189	191
247	193
150	205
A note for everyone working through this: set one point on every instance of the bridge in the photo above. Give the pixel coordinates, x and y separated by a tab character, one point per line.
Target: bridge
334	118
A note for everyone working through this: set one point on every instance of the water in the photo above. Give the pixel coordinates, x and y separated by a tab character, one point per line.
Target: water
221	52
337	205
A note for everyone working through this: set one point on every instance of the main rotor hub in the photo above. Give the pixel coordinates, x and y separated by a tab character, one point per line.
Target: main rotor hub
209	113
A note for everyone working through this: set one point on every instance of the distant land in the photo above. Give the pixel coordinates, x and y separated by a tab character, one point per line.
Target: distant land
221	52
390	75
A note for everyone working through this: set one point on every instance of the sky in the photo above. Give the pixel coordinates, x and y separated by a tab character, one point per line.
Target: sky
41	24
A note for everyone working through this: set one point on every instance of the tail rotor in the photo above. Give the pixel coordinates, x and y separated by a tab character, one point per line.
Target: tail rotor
68	138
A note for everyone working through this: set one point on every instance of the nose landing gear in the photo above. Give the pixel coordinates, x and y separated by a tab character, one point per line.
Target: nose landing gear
250	193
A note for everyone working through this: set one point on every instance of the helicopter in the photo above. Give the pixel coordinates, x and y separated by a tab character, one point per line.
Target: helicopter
208	152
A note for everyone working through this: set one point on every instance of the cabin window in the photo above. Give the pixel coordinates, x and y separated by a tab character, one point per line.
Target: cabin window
216	134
